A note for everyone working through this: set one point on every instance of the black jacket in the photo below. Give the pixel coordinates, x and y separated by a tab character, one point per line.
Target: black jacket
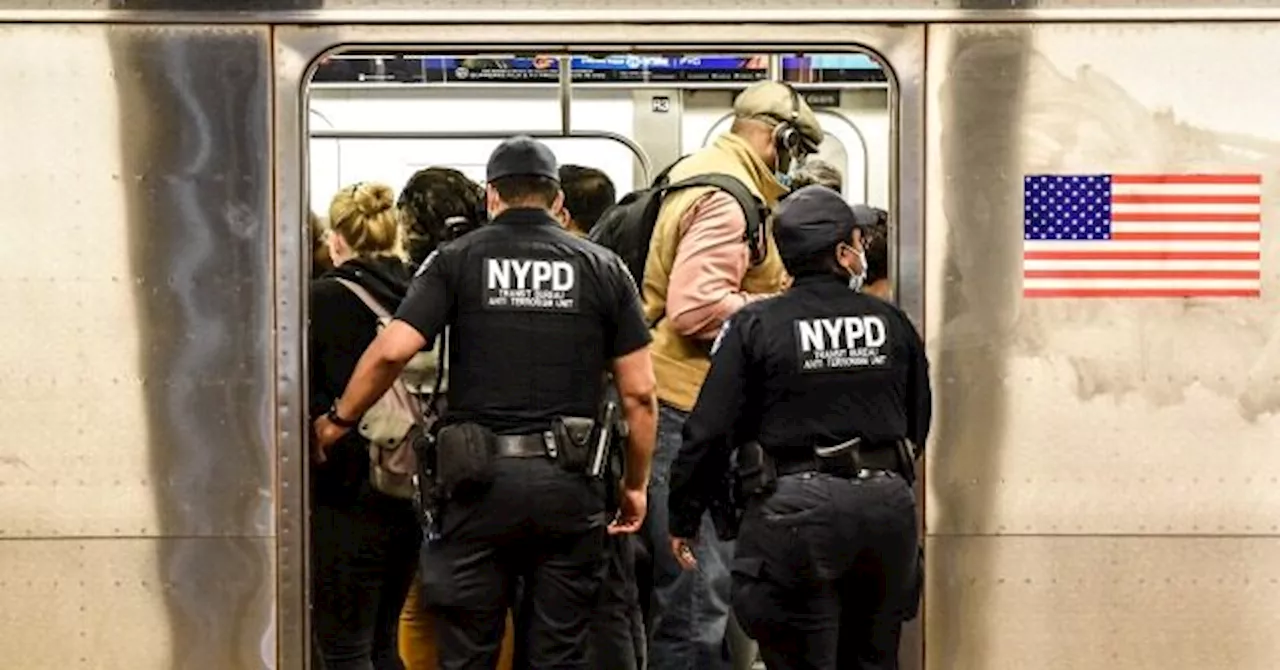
813	367
342	327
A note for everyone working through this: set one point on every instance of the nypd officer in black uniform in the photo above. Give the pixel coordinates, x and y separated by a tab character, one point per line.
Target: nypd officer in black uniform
536	318
816	390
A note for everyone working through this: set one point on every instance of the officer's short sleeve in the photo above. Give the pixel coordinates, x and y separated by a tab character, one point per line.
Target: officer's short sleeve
430	298
629	329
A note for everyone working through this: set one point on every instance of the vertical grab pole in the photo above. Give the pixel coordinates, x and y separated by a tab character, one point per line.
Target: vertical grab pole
566	80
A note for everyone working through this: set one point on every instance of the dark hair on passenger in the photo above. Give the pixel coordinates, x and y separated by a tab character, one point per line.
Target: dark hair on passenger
527	190
876	243
588	192
428	202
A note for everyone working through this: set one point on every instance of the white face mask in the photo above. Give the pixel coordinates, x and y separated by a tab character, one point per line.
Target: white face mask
856	281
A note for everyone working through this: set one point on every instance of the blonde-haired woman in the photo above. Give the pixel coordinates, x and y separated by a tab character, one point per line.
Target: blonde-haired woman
364	544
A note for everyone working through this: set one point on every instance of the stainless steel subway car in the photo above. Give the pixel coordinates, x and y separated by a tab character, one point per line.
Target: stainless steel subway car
1103	485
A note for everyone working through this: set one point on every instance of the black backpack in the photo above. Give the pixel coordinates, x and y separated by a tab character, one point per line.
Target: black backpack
627	227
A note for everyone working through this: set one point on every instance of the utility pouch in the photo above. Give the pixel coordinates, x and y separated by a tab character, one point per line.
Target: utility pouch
572	435
842	460
465	455
756	474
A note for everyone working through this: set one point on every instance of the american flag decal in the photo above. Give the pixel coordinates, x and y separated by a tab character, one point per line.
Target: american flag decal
1142	236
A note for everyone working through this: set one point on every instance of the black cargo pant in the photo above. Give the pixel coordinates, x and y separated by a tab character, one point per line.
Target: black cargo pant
826	571
536	524
617	629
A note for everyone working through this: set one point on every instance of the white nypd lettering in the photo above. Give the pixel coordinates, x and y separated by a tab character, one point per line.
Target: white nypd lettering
527	283
841	343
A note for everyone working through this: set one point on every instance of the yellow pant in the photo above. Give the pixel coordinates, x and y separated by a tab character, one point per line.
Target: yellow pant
418	636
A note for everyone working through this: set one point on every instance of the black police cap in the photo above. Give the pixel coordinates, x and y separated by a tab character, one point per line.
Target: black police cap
522	156
811	220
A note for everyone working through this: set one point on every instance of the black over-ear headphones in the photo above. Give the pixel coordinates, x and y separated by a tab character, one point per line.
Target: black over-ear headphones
787	136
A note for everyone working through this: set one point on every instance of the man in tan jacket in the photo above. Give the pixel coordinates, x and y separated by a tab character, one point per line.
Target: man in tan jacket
698	273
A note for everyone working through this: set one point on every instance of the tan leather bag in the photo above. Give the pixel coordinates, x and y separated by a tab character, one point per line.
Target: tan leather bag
394	423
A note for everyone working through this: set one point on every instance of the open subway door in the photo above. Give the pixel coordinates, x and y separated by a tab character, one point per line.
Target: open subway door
381	115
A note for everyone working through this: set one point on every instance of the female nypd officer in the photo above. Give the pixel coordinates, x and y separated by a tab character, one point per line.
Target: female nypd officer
829	383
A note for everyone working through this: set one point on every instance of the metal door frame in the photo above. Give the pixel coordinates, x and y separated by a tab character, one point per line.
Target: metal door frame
901	48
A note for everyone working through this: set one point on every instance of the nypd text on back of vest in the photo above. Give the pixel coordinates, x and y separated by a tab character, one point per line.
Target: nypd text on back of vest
841	343
531	284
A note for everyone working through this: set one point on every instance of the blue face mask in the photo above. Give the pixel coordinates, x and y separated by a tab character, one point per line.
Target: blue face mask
793	168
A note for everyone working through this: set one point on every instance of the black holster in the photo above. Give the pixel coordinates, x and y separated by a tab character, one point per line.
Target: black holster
572	436
726	518
465	455
842	460
755	473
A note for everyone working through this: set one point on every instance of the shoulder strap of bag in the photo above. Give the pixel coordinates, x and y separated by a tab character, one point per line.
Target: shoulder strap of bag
364	296
382	313
750	205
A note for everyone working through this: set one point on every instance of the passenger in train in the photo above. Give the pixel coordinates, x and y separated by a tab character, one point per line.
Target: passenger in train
437	205
698	273
617	629
536	317
816	171
876	243
320	260
364	543
819	390
588	192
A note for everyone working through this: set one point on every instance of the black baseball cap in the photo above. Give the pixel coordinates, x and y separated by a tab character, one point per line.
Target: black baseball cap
813	219
867	217
522	156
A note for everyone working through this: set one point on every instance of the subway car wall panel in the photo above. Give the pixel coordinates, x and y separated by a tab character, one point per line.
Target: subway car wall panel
136	375
1081	394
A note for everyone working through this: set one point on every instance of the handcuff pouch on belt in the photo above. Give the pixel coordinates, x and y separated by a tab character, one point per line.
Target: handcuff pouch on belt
582	444
465	454
572	436
841	460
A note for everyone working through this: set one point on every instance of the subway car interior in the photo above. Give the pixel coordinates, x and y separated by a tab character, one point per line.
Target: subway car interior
382	116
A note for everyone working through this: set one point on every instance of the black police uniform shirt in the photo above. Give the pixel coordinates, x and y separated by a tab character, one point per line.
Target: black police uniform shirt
815	366
535	317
